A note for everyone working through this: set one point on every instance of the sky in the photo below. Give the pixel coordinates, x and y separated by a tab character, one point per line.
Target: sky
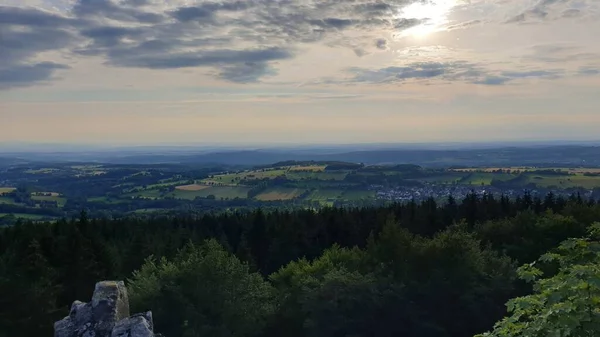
298	71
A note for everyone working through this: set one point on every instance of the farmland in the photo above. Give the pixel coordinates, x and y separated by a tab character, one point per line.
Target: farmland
55	191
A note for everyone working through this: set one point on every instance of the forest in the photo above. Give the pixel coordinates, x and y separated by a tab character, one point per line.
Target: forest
484	265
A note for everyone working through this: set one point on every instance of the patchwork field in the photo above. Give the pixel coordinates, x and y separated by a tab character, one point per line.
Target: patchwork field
325	195
42	171
193	187
479	178
316	175
579	170
279	193
313	168
225	192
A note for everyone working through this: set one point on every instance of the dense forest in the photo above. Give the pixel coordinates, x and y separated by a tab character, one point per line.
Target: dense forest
410	269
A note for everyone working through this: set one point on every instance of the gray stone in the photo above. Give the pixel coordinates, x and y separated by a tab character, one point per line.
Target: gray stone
106	315
134	326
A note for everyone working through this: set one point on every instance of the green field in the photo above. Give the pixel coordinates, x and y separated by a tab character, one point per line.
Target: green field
235	178
225	192
358	195
564	181
26	216
145	194
447	178
106	200
279	193
61	201
6	189
325	195
7	201
147	210
42	171
316	175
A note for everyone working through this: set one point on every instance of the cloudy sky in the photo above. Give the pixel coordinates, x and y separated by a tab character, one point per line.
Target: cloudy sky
298	71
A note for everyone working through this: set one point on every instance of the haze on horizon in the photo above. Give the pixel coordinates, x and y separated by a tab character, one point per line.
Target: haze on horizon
298	71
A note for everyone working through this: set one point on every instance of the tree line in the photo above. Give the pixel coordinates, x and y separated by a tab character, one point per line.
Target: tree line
411	269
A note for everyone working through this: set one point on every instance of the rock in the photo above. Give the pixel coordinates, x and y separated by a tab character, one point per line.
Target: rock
107	315
134	326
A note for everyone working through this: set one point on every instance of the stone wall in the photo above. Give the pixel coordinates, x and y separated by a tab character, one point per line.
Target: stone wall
106	315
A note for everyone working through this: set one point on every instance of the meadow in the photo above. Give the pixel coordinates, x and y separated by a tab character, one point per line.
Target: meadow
59	200
219	192
6	189
279	193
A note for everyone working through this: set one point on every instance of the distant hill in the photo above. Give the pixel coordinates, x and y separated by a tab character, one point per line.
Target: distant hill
565	155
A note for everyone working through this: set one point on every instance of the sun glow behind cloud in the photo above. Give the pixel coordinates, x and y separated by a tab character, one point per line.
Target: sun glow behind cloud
432	13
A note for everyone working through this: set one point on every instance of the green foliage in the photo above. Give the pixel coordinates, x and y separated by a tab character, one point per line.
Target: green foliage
566	303
203	291
413	269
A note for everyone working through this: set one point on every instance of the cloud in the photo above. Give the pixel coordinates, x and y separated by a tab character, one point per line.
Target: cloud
23	75
589	71
24	33
240	41
447	71
247	72
381	44
547	10
223	36
559	53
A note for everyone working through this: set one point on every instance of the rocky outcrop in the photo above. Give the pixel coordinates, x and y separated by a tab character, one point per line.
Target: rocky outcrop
107	315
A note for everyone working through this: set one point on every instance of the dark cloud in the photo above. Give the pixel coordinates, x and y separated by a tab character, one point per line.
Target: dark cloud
549	74
544	10
492	80
447	71
31	17
247	72
107	9
559	53
24	33
142	34
206	58
381	44
23	75
224	36
589	71
192	13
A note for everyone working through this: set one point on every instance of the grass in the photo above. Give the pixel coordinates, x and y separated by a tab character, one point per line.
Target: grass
6	189
358	195
26	216
8	201
225	192
279	193
233	179
578	170
447	178
42	171
564	181
146	194
325	195
61	201
106	200
147	210
314	168
316	175
193	187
